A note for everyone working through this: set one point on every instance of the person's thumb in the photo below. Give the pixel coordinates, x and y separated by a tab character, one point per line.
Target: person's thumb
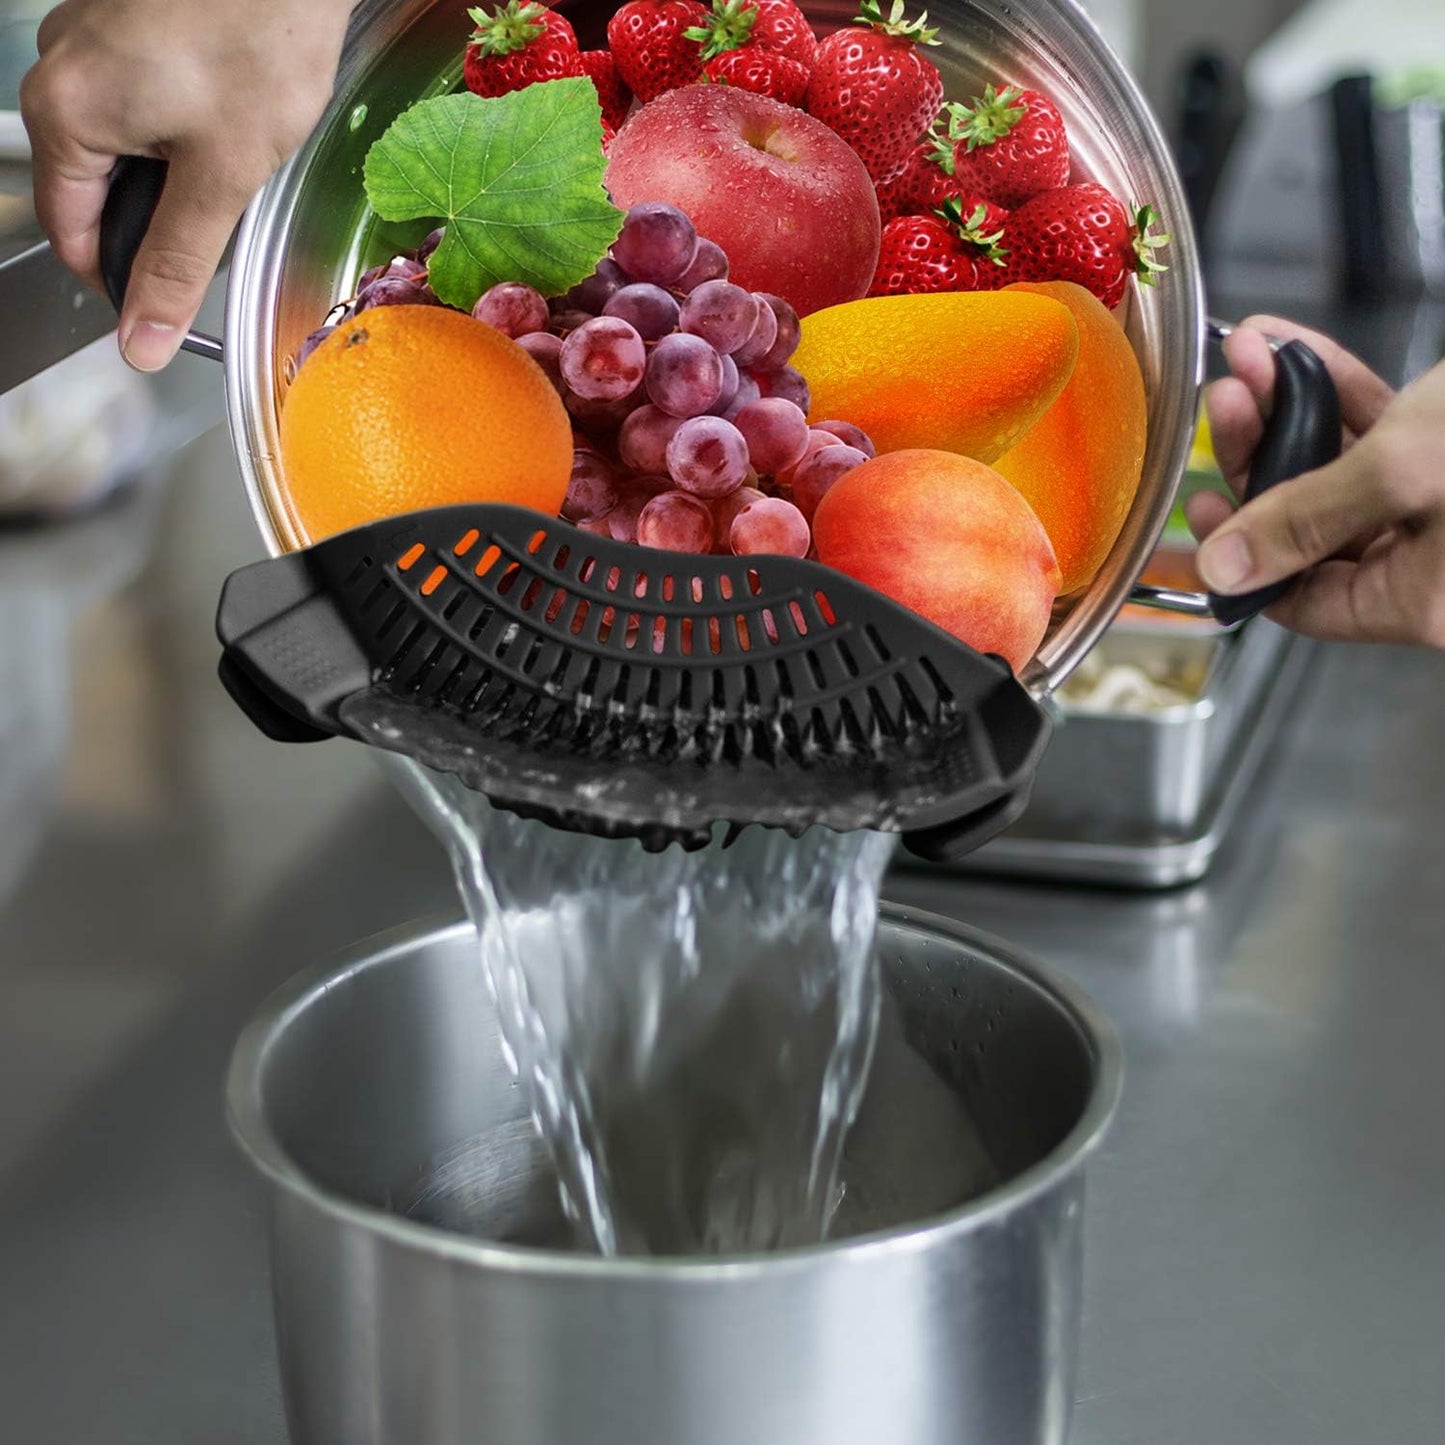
1291	527
176	262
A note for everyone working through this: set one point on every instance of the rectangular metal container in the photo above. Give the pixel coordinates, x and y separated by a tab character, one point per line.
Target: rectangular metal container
1145	800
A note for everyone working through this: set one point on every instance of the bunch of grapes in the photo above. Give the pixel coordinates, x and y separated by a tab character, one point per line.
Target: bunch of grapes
690	427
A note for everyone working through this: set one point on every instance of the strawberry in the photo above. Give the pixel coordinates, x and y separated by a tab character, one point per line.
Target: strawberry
651	48
517	44
773	25
945	251
876	89
928	181
1009	145
614	95
768	72
922	253
1085	235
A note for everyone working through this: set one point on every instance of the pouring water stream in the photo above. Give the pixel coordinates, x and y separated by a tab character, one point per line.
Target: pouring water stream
693	1030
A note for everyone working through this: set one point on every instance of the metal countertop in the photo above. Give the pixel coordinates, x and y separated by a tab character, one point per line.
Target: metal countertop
1266	1238
1266	1247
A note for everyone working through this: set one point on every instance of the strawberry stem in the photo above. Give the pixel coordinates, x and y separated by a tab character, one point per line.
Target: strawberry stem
941	153
870	12
970	228
1146	265
991	117
729	28
510	28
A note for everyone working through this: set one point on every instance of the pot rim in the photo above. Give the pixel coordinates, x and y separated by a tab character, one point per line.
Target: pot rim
247	1115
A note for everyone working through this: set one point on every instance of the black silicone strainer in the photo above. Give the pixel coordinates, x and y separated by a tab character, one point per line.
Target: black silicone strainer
618	690
627	692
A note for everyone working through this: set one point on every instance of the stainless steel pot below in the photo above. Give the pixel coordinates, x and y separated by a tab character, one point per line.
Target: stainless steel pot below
946	1313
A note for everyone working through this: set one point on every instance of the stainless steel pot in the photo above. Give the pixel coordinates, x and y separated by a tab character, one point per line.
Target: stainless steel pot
947	1313
309	235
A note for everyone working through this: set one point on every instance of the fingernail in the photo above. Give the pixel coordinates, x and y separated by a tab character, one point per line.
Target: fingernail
148	345
1224	562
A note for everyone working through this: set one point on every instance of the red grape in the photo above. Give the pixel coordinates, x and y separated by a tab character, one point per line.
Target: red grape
642	442
813	476
427	247
776	433
723	512
650	310
657	243
597	290
731	377
790	332
604	359
392	290
545	349
567	320
786	382
514	309
592	492
762	338
817	440
710	263
746	394
707	456
722	314
676	522
601	417
850	435
770	525
684	375
635	495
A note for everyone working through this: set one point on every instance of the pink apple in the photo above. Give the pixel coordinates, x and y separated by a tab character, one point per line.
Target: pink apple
785	197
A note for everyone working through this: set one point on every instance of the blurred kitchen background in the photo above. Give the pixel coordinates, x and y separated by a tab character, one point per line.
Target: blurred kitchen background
162	866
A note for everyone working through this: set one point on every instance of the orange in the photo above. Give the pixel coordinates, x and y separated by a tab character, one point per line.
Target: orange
1079	468
406	407
958	371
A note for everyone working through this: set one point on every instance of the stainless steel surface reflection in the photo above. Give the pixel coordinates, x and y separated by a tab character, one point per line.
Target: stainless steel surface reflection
942	1313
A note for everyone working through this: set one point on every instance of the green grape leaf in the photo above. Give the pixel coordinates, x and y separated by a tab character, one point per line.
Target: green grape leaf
517	179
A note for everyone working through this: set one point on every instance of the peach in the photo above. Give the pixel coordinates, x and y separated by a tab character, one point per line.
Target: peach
1079	466
950	538
782	194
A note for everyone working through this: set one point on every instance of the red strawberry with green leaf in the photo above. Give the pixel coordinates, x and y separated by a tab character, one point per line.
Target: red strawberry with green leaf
649	42
1085	235
611	89
1009	145
928	181
941	252
766	72
516	45
920	254
876	88
772	25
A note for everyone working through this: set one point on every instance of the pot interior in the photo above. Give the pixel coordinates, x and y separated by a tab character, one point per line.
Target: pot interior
311	234
384	1083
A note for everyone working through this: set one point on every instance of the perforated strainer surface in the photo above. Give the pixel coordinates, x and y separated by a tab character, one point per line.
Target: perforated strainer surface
619	690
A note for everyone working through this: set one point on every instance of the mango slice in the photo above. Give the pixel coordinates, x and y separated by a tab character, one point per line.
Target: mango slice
1079	468
967	372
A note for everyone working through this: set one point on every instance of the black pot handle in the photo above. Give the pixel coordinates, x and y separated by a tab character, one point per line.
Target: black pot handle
1303	433
135	191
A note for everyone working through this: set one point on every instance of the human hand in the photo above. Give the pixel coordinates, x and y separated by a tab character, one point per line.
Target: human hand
222	90
1367	531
